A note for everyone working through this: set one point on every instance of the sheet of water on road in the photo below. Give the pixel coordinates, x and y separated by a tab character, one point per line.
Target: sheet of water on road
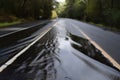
61	55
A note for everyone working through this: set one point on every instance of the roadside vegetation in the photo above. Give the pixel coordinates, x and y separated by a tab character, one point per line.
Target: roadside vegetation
9	23
16	11
102	12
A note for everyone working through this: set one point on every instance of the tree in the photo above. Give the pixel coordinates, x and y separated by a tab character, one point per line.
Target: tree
106	12
27	8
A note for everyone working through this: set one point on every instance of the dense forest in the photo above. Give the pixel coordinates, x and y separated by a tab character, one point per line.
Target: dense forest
13	9
106	12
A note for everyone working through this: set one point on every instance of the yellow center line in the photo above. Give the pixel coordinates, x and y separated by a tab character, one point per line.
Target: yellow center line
115	63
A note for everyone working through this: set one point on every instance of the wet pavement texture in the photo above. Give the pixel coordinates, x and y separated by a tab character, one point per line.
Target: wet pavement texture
18	27
107	40
11	44
60	55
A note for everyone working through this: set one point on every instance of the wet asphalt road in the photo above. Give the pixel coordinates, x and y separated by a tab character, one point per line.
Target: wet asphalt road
18	27
108	40
62	54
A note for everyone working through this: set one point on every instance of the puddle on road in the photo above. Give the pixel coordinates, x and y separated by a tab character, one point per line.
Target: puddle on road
52	58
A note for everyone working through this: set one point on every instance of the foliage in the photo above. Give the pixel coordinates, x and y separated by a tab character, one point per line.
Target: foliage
26	8
106	12
9	23
74	9
54	14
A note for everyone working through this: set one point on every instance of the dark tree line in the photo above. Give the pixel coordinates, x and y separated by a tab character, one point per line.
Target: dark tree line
106	12
26	8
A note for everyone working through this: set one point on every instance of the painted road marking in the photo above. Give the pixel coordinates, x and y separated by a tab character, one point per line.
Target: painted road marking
4	66
117	65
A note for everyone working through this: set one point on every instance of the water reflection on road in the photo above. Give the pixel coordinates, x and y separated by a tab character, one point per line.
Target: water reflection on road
61	55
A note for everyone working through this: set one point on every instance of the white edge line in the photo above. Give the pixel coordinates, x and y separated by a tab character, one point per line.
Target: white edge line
117	65
4	66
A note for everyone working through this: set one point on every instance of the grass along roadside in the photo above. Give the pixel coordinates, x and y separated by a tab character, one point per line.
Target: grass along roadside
4	24
114	29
